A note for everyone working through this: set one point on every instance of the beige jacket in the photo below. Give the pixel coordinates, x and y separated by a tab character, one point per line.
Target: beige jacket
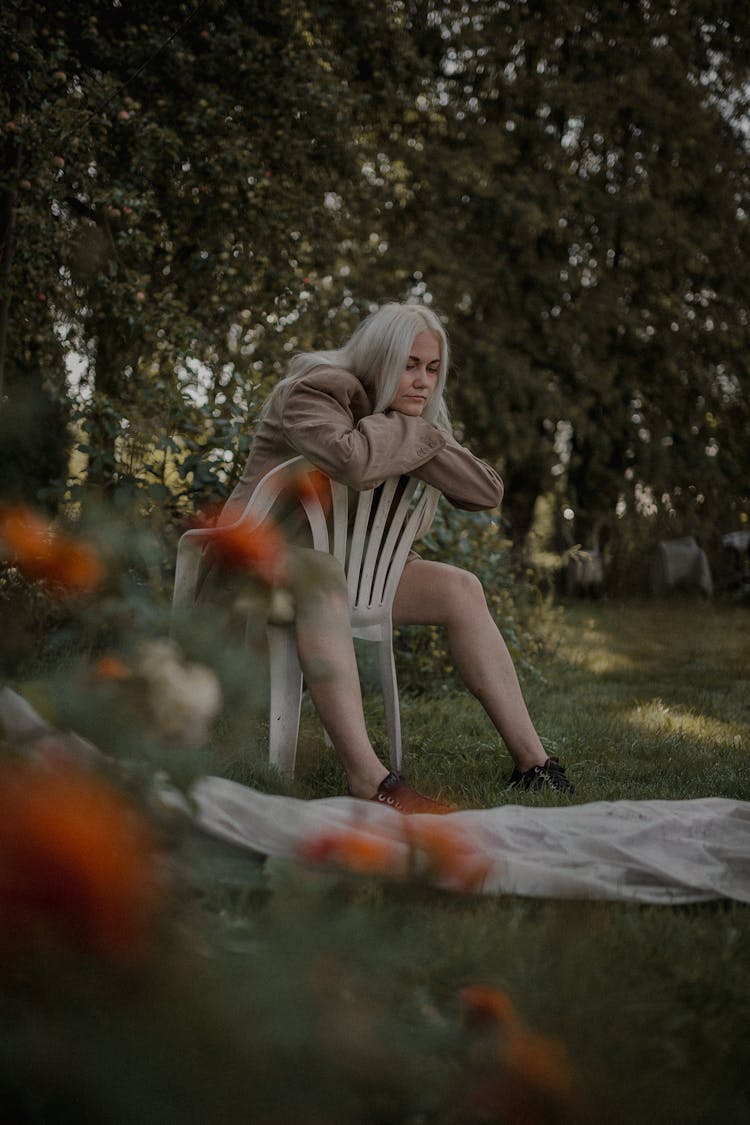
327	417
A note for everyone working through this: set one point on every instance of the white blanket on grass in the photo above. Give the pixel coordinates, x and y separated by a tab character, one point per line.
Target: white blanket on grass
630	851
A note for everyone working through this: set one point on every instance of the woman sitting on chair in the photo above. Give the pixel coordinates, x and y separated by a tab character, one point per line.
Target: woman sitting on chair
370	410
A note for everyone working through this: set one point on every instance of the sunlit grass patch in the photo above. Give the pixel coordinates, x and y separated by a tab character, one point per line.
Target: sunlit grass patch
655	717
600	660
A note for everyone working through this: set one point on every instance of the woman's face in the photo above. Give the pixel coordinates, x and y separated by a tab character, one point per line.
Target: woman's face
420	377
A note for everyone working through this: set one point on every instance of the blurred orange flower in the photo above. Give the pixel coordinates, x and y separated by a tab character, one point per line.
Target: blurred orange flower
110	667
26	535
531	1080
355	851
260	548
534	1084
39	552
411	846
75	566
542	1065
78	863
485	1006
452	857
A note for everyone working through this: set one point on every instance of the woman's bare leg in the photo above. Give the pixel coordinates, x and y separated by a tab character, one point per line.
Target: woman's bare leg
328	661
432	593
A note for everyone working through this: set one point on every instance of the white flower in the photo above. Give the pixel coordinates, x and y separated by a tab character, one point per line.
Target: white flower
281	609
182	698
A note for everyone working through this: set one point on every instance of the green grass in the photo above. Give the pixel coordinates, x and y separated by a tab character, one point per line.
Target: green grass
640	700
652	1003
284	994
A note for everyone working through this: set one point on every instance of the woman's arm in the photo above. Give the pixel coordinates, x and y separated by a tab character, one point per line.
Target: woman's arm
463	479
328	418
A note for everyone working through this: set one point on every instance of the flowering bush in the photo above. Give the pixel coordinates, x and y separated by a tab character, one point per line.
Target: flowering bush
148	974
79	863
39	552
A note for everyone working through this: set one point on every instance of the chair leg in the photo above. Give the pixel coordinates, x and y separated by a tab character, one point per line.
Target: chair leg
286	698
389	688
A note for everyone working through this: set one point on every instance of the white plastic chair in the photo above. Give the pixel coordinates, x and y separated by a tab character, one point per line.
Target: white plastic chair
386	522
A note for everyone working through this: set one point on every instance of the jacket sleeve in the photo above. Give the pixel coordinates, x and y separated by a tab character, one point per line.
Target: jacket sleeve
319	420
463	479
327	417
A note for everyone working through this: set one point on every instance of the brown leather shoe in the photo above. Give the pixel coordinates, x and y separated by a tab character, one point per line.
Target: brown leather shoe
399	795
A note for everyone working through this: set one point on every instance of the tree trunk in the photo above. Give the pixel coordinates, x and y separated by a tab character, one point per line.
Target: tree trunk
7	231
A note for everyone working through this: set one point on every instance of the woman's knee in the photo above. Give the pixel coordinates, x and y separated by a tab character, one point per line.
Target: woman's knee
437	593
466	587
464	599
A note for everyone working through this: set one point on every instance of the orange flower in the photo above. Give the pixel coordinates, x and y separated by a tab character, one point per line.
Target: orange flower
534	1084
75	566
451	855
355	851
260	549
41	553
441	853
27	536
78	863
313	484
531	1080
486	1006
111	668
542	1065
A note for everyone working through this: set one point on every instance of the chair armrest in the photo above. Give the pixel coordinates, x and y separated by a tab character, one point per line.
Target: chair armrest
187	566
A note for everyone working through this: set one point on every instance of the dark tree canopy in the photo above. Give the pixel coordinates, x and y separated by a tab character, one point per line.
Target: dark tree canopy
194	191
582	199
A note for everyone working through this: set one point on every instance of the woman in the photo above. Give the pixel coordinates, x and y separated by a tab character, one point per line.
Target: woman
373	409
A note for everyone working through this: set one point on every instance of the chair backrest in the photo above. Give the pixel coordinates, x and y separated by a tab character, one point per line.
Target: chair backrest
373	546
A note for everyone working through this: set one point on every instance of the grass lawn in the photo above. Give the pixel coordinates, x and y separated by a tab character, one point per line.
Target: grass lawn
280	994
652	1003
642	701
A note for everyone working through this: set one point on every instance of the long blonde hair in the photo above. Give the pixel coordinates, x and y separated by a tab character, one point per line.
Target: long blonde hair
377	353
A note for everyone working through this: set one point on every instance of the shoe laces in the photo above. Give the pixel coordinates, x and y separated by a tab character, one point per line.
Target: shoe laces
550	773
395	792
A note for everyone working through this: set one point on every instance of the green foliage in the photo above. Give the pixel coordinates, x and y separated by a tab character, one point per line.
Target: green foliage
261	969
590	165
192	194
185	223
244	969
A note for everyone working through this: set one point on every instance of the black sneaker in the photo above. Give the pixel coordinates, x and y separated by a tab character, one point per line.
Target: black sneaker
399	795
551	776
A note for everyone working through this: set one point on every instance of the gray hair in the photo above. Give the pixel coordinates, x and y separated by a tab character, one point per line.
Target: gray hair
378	351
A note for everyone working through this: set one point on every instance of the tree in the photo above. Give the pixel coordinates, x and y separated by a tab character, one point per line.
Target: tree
579	179
204	189
183	216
